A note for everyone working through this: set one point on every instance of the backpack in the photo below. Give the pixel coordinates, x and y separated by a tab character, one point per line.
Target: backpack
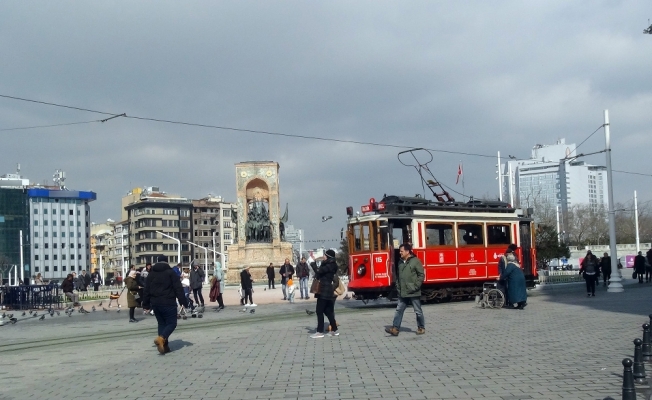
339	286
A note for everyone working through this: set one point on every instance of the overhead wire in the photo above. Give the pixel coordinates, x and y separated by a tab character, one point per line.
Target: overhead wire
49	126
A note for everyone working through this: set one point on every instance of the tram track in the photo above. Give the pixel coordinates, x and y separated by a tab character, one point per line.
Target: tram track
101	337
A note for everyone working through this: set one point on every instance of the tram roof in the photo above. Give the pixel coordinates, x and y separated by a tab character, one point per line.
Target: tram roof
402	205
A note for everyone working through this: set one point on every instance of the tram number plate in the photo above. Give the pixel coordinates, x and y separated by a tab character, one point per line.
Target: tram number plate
383	275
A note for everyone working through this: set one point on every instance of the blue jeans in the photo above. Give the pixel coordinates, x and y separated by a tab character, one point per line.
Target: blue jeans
400	309
167	319
303	287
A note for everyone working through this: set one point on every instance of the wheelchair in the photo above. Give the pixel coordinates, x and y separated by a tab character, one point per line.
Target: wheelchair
491	296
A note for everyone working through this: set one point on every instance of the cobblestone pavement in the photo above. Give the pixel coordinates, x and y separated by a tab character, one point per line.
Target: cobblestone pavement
562	346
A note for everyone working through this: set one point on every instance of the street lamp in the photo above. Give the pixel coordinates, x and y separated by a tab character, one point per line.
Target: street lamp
205	259
178	244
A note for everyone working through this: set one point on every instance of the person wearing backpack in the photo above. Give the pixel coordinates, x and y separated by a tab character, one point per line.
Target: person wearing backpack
408	284
326	297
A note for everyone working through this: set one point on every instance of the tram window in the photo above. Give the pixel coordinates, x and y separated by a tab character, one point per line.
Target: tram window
470	234
439	235
357	241
498	234
365	237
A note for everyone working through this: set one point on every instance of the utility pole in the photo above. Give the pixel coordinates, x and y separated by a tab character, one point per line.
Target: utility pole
638	241
500	180
558	231
22	257
615	286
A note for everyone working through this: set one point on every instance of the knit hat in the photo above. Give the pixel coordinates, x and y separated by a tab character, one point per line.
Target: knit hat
330	253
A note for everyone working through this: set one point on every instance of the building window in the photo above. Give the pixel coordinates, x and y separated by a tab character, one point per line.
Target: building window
36	211
226	213
56	268
184	235
47	245
54	234
36	269
35	234
184	224
45	211
54	257
54	222
54	212
227	235
184	213
47	268
36	245
70	212
45	222
35	222
63	234
36	257
63	268
47	257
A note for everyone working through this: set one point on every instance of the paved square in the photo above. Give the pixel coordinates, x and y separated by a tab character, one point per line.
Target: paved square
562	346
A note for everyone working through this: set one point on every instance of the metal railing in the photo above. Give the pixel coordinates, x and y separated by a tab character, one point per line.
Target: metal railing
31	297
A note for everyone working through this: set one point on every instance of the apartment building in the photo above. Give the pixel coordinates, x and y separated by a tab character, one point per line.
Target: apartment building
158	222
213	227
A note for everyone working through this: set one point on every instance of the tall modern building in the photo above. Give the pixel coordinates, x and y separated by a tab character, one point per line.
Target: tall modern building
150	214
212	222
119	247
14	218
553	177
295	236
60	227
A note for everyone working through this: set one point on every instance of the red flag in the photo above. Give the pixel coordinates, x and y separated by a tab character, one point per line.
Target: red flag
459	173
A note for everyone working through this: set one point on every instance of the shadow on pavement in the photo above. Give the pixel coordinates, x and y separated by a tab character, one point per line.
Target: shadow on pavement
179	344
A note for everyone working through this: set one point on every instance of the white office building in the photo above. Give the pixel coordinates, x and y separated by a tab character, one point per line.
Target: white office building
552	177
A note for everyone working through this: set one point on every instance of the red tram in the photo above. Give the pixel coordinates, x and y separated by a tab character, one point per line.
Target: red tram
458	243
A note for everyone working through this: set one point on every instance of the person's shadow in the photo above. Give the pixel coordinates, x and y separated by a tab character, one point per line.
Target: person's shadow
179	344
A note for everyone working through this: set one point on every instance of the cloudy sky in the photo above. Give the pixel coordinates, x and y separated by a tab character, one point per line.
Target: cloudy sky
472	77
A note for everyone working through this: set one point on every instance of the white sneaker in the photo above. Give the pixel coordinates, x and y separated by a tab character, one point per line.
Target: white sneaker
253	305
317	335
336	333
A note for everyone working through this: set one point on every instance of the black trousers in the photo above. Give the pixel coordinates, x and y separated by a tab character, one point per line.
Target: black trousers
590	283
606	275
325	307
648	275
195	292
131	312
220	301
270	283
248	293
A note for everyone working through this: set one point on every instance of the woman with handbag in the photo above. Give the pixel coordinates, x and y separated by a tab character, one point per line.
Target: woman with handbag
326	296
133	295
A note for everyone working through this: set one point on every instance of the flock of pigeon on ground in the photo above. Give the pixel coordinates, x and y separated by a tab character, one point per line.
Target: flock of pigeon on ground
11	318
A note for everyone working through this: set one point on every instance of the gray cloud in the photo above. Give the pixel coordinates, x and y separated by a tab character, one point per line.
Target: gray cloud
463	76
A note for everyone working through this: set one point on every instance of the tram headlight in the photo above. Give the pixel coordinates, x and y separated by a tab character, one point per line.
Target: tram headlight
362	270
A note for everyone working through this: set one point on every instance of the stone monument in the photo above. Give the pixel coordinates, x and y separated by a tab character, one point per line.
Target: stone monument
259	238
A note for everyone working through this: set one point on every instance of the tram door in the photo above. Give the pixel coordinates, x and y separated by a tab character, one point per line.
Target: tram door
525	233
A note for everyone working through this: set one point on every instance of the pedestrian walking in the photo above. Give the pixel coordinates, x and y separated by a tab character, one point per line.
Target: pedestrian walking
185	284
639	266
303	273
513	275
96	279
326	297
218	276
648	266
162	291
286	271
247	286
589	267
502	264
605	266
408	284
270	276
133	294
197	276
84	281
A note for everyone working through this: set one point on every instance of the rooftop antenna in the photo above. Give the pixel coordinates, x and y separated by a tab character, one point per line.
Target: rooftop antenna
59	178
420	166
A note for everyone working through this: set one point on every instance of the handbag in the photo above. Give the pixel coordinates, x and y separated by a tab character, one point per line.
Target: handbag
339	286
314	287
634	276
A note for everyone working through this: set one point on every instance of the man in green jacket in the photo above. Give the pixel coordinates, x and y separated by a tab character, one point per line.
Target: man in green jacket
408	284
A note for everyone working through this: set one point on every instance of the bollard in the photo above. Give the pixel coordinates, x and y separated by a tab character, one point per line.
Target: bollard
639	366
629	391
647	348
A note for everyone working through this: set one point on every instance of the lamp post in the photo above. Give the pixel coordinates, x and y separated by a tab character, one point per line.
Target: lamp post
638	241
22	266
205	259
178	244
616	285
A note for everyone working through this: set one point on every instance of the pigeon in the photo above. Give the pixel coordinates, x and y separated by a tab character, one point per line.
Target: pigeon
93	309
118	310
30	312
243	310
310	312
253	310
42	317
34	315
58	313
105	310
10	316
4	315
347	297
100	305
324	219
13	320
264	289
23	313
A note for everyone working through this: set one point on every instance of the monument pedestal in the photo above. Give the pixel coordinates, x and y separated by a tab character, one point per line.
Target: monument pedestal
257	256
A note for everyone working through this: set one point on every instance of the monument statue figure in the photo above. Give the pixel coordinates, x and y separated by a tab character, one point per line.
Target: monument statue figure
258	221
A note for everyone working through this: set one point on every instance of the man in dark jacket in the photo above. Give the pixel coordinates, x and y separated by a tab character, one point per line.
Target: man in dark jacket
67	287
648	266
605	266
639	266
408	285
270	276
326	297
247	286
286	271
196	281
162	290
96	279
303	273
84	281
